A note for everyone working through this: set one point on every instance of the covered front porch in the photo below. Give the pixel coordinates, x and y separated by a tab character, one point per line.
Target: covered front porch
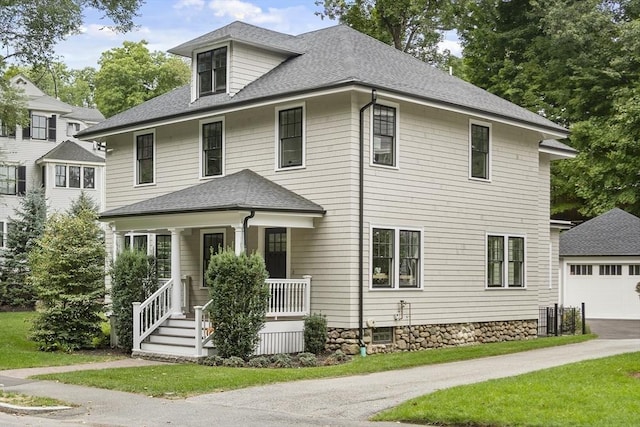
242	211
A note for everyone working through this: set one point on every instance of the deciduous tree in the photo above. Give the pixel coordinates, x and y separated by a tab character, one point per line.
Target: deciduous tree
413	26
131	74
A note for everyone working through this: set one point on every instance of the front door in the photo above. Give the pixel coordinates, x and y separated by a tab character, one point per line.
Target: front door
275	252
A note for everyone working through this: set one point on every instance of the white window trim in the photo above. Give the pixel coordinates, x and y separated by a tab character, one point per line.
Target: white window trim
224	146
151	241
277	167
396	258
505	261
194	68
490	160
201	262
135	160
396	142
82	168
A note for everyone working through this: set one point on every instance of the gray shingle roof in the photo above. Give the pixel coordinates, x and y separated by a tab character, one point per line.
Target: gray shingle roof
71	151
332	57
614	233
244	190
85	114
557	145
242	32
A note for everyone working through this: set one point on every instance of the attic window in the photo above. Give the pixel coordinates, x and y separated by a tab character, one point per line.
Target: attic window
212	71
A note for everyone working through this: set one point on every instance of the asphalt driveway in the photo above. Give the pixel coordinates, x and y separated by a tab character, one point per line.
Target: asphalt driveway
347	401
615	329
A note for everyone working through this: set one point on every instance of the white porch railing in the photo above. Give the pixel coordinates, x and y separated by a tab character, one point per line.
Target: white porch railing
288	298
149	315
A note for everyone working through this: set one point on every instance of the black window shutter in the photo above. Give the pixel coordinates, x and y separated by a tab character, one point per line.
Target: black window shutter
26	131
52	127
22	180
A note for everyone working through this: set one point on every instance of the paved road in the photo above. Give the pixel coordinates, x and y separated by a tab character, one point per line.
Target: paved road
345	401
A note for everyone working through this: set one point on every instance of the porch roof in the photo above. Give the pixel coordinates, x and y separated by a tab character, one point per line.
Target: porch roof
244	190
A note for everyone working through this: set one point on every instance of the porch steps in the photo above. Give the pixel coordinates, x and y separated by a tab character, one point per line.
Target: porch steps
175	338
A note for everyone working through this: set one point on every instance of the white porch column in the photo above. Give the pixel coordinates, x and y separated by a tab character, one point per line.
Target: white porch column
118	243
176	274
239	240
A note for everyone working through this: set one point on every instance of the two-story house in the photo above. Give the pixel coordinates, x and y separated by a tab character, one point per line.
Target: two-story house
46	153
408	206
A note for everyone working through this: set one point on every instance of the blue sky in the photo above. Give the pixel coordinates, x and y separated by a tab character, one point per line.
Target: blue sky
168	23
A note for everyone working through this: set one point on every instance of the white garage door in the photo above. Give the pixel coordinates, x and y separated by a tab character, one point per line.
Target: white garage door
607	288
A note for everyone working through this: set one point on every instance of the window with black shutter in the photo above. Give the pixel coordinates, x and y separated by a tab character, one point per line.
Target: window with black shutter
52	127
22	180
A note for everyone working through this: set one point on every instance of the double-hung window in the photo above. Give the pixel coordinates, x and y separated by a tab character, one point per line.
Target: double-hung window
384	135
89	177
505	261
145	150
212	71
212	138
6	130
396	258
61	176
13	179
38	127
480	151
74	176
290	137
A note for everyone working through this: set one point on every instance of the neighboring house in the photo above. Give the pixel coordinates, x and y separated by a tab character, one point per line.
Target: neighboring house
263	151
47	153
600	266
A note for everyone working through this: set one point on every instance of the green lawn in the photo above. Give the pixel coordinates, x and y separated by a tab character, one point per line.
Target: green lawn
603	392
186	380
16	351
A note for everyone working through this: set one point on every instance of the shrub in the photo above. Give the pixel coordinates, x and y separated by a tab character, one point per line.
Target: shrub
258	362
315	333
67	270
133	279
240	296
212	361
307	359
336	358
233	362
282	360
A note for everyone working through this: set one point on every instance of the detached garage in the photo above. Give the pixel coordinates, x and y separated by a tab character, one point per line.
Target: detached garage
600	266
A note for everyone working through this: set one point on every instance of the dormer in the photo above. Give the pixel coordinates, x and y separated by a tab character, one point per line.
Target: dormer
226	60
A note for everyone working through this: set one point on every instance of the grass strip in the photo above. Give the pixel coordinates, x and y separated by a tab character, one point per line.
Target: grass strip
602	392
16	351
187	380
30	401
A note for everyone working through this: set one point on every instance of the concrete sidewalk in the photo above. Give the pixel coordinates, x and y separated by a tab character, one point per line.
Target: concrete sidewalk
347	401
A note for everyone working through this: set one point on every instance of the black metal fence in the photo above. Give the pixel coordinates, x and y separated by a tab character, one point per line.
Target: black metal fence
559	320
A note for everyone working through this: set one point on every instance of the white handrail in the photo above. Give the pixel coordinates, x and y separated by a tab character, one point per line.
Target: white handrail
149	315
204	331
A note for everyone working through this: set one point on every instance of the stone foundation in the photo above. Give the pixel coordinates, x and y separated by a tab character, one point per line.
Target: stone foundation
422	337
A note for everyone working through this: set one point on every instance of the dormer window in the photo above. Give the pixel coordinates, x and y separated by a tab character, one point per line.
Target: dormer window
212	71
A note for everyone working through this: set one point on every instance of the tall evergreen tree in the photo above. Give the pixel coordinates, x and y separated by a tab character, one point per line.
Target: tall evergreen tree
68	272
25	227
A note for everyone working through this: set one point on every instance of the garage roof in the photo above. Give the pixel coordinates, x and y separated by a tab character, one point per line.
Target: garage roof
614	233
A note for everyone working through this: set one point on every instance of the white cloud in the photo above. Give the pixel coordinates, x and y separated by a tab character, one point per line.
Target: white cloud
186	4
235	9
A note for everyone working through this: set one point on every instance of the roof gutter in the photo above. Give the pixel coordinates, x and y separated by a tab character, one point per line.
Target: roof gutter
245	228
363	349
